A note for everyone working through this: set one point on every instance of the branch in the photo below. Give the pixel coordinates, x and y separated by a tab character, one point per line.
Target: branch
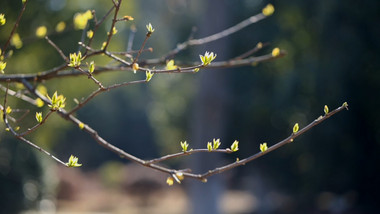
214	37
274	147
14	27
9	127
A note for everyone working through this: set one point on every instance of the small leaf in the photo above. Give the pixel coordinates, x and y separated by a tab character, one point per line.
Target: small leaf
148	75
41	31
180	176
91	67
81	19
60	26
39	117
207	58
276	52
39	103
81	125
90	34
209	146
216	143
170	181
295	128
16	41
345	105
3	20
73	162
184	146
235	146
128	18
326	109
150	29
57	102
8	110
2	66
263	147
75	59
135	67
170	65
268	10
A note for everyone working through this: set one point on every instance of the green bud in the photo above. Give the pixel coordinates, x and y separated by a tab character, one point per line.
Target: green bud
73	162
216	144
326	109
184	146
295	128
235	146
39	117
263	147
209	146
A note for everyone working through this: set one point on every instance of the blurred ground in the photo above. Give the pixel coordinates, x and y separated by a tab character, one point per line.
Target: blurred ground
141	190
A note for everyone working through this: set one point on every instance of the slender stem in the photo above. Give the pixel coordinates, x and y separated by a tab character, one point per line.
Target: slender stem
97	25
181	154
110	33
30	130
141	48
99	91
277	145
216	36
57	49
14	27
5	119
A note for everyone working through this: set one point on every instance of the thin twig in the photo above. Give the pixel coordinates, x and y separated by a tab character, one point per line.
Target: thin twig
277	145
216	36
190	152
99	91
97	24
252	51
5	119
30	130
14	27
141	48
110	33
57	49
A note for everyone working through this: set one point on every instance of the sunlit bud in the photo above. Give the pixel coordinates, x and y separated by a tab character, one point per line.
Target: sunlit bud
276	52
41	31
60	26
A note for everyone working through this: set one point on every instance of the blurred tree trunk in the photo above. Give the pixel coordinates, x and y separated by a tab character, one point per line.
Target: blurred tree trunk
209	109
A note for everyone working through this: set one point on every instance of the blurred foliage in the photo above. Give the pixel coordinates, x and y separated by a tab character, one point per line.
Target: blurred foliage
332	58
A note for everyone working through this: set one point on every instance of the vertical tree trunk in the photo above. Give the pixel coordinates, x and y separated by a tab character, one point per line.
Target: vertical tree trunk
209	112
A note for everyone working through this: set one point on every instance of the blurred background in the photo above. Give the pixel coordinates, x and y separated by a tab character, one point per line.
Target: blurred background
332	57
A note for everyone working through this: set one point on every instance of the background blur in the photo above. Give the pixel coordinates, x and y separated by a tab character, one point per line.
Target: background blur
333	57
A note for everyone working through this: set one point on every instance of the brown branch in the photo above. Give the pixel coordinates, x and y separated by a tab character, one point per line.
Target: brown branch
181	154
14	27
97	24
216	36
252	51
9	127
60	71
110	33
30	130
57	49
276	146
141	48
